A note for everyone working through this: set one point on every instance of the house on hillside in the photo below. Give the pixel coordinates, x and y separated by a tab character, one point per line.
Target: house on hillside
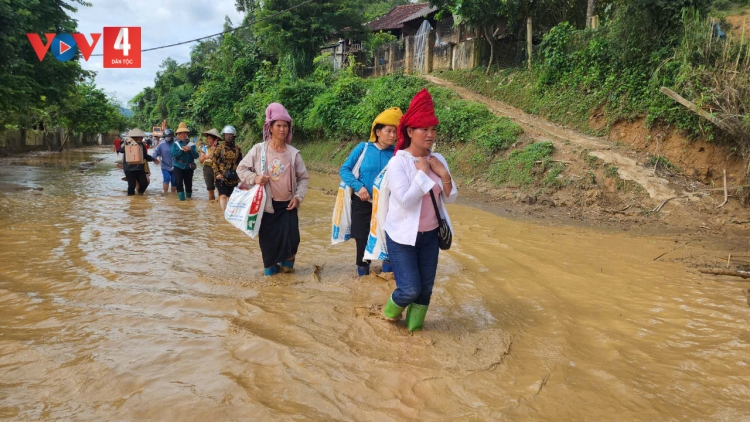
445	32
452	46
339	51
392	21
425	44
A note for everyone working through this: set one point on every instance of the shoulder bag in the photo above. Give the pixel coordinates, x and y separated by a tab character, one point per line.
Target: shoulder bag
445	237
231	174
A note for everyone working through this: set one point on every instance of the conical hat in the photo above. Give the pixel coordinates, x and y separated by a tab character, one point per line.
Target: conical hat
212	132
136	133
182	128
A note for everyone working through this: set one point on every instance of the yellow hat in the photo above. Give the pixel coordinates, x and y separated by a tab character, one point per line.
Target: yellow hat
389	117
182	128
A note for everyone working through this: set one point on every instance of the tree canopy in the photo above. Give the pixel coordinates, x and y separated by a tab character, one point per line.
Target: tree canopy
297	35
48	92
25	82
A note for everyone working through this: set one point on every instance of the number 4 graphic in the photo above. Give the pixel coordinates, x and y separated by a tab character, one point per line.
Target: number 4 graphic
121	43
122	47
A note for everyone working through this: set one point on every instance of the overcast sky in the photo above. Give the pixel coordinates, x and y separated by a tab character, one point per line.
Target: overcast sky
162	22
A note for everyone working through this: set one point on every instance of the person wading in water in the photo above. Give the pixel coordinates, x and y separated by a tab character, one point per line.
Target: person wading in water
226	159
163	150
374	160
206	158
135	173
415	175
285	182
184	154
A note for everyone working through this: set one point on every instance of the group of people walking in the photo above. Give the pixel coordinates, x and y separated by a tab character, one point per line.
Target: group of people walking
420	184
177	160
400	146
284	177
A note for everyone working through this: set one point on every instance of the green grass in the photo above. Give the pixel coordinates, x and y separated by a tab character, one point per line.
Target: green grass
325	156
524	167
593	162
496	135
553	179
610	170
566	105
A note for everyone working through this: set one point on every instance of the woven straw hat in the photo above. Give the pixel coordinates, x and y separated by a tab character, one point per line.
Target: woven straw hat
212	132
136	133
182	128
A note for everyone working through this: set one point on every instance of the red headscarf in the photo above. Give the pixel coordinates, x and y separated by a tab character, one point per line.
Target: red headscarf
421	113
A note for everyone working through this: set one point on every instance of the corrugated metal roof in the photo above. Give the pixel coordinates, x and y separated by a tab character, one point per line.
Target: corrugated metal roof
420	13
394	18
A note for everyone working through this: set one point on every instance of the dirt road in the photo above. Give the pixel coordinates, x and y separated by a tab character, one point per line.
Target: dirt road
628	169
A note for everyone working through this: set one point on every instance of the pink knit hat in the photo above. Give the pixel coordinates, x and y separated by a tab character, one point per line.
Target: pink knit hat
276	111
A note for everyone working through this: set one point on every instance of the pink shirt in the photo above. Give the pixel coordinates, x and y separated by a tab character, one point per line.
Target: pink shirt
280	174
427	219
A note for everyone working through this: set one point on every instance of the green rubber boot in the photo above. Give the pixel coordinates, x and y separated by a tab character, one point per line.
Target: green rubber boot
415	317
391	311
189	195
181	195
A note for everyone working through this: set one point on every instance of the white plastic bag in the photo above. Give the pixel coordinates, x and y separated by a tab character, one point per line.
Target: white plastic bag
376	247
245	207
341	221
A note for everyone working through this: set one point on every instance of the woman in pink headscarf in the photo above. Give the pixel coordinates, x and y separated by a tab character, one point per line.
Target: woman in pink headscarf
278	167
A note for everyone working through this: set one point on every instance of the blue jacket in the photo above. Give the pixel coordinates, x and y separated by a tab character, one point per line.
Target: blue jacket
374	162
183	159
163	151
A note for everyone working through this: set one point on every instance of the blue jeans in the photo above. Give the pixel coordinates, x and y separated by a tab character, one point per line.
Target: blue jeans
414	268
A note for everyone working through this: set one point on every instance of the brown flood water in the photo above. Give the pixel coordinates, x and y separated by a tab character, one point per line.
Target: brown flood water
132	308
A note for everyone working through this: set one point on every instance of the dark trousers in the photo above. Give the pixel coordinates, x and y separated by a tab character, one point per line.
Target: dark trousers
183	179
361	215
361	244
136	176
279	234
415	268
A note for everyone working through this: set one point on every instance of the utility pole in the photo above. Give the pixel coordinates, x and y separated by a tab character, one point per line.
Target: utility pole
590	12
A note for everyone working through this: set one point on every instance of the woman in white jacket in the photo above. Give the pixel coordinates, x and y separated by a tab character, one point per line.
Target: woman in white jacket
411	224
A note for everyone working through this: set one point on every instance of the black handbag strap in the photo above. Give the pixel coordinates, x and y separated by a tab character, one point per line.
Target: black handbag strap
434	204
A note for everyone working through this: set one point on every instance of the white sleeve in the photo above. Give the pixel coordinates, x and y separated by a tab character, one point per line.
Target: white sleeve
407	193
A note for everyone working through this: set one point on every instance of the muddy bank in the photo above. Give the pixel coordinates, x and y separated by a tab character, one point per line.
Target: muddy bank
146	307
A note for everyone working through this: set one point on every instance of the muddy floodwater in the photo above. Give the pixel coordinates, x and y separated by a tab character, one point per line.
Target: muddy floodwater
135	308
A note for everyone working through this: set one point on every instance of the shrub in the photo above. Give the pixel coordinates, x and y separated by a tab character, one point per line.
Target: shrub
496	135
521	166
343	108
722	4
334	110
382	93
460	118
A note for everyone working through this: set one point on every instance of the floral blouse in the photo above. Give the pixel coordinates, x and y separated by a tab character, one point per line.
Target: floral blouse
226	158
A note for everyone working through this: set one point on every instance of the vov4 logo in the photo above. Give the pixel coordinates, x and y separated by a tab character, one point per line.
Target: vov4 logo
122	46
